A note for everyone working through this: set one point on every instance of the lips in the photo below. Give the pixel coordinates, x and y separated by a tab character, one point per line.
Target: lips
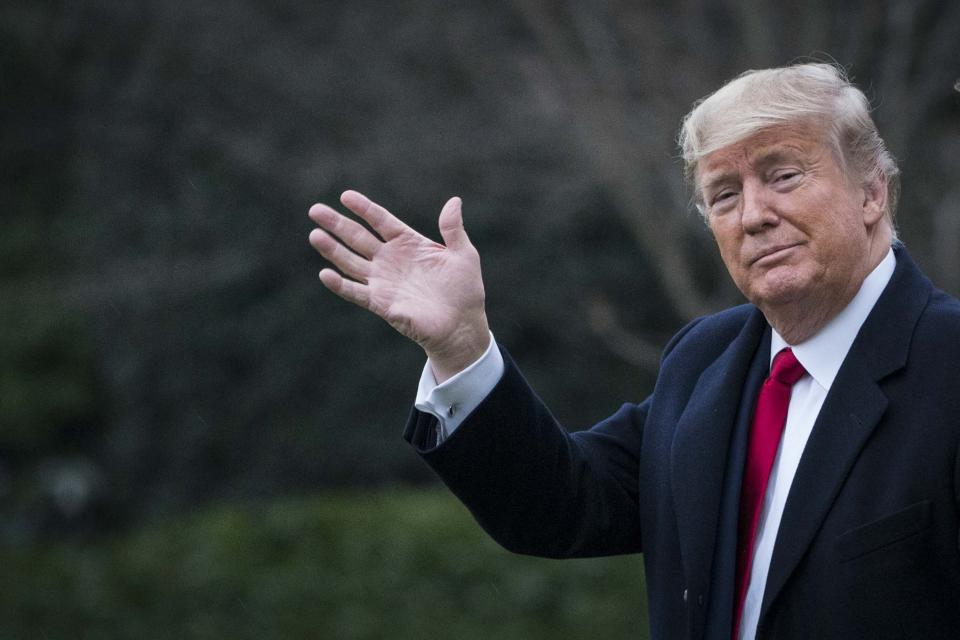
772	252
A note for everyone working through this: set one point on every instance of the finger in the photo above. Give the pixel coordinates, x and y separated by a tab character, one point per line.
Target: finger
347	289
352	234
451	225
382	221
342	258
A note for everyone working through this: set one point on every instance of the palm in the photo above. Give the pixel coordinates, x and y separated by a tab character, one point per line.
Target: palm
429	292
421	287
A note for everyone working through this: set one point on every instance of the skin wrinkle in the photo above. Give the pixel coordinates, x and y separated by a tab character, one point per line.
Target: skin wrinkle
797	233
761	162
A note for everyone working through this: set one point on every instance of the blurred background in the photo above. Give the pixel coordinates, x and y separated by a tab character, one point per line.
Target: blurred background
197	440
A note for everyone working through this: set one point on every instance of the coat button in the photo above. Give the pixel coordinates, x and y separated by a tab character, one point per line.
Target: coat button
700	599
684	595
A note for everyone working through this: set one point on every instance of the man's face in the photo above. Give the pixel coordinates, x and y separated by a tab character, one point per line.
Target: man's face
791	227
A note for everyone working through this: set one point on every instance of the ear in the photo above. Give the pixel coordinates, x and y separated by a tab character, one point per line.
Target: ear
874	199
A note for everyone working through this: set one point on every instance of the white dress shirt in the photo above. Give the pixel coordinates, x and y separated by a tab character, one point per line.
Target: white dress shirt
821	356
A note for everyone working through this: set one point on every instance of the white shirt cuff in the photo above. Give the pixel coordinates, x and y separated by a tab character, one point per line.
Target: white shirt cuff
454	400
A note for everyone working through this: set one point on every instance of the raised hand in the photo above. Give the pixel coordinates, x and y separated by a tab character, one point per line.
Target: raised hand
431	293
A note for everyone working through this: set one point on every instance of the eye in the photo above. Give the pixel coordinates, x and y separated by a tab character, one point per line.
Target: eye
722	197
785	176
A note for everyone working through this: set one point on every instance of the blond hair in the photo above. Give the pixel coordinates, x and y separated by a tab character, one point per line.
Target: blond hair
816	93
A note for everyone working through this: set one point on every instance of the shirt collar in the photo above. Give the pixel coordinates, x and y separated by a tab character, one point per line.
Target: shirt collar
823	353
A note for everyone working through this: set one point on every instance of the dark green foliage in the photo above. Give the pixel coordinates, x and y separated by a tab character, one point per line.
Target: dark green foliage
46	377
395	564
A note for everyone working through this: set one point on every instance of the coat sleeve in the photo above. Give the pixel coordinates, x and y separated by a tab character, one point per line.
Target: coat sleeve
535	488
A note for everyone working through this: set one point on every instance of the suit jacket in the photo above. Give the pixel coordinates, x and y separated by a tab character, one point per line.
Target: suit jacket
869	543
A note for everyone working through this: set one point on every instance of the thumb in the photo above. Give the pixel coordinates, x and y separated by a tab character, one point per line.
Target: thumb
451	225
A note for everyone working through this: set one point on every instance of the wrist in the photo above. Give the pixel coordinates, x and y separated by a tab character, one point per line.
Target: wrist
460	352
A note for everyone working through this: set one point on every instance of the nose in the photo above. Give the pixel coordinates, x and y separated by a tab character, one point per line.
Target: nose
757	211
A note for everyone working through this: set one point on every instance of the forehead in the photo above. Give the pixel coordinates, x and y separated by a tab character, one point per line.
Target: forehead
797	142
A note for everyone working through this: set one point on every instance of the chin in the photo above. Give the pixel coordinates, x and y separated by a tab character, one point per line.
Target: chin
777	289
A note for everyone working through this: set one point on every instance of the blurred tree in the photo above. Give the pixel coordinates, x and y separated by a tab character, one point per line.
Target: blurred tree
158	160
620	71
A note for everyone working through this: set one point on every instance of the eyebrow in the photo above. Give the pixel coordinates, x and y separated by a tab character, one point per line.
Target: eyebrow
761	160
764	159
719	180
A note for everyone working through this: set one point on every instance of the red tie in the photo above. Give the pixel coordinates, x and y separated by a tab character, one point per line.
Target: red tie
769	418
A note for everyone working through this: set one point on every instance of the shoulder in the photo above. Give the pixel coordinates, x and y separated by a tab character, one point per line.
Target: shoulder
722	327
943	309
938	328
938	317
912	322
705	338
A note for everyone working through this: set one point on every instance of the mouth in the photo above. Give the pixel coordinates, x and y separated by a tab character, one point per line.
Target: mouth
772	254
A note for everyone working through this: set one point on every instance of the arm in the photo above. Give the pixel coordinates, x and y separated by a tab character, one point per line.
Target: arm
532	486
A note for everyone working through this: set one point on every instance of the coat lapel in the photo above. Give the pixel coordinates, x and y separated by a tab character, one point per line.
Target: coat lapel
700	447
852	409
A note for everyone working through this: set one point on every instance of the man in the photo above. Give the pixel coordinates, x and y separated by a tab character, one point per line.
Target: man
821	502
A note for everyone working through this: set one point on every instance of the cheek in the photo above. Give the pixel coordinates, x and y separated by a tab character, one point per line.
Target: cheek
730	255
728	242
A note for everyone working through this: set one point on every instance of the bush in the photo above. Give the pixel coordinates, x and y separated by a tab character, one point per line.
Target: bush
392	564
